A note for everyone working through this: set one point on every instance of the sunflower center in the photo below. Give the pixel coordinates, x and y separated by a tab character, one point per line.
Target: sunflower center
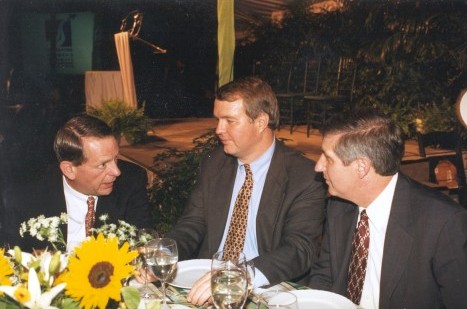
100	273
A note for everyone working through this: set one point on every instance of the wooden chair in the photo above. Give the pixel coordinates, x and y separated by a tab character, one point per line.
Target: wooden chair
290	92
437	147
321	105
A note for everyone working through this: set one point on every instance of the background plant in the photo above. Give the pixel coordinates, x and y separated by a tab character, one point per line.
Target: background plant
130	122
411	55
176	177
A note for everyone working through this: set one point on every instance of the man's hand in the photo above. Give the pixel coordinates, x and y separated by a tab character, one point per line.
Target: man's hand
200	293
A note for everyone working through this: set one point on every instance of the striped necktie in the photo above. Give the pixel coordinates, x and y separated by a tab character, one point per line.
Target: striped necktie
90	215
357	267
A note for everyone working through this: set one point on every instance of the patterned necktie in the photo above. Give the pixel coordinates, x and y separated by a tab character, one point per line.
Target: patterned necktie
237	229
357	267
90	215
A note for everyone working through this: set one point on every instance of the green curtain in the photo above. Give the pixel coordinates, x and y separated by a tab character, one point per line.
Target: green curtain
225	40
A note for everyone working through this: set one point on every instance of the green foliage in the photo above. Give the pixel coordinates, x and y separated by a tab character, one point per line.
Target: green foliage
130	122
176	177
411	55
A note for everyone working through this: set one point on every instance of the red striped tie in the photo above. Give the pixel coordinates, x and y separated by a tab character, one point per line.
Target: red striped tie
357	267
90	215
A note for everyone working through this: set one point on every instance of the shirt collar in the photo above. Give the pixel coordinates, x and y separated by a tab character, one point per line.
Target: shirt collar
263	160
69	190
378	211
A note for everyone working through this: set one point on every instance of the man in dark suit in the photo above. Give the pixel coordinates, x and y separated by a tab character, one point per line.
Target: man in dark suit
286	207
88	167
417	247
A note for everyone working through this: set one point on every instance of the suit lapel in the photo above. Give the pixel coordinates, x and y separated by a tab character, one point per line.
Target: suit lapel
219	200
271	197
398	242
342	230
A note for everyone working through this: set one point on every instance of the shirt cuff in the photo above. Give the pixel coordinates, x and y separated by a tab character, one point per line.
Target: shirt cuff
260	279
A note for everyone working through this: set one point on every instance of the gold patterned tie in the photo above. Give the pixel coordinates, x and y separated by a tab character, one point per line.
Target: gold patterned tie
90	215
357	267
237	229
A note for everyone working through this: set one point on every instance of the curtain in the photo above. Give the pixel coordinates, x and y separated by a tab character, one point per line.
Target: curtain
102	86
126	68
225	40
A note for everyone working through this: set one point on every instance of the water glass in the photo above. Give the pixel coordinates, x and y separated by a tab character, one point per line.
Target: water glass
279	300
144	236
229	283
162	260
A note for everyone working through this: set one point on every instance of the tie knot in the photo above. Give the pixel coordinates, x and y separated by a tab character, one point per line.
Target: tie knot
91	201
363	216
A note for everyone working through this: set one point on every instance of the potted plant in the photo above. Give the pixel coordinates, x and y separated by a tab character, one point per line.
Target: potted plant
127	123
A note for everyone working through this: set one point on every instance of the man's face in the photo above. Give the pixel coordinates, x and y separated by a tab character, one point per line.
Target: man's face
239	134
340	179
97	174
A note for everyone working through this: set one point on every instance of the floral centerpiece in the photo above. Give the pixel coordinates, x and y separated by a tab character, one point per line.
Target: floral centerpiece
94	275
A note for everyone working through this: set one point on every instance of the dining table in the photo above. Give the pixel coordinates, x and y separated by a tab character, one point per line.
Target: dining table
176	296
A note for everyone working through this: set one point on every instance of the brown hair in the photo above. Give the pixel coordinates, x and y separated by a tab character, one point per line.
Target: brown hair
258	97
68	144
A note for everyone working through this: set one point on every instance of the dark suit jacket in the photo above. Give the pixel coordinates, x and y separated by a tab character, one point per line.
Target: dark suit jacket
128	201
425	251
289	220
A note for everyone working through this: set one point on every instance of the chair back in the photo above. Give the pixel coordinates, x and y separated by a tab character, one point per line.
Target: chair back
346	73
444	146
311	76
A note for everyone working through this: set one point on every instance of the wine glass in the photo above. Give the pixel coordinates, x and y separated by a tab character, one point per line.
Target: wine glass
229	283
279	300
250	268
144	236
162	259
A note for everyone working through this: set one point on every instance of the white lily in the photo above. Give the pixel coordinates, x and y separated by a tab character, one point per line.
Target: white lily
38	300
44	259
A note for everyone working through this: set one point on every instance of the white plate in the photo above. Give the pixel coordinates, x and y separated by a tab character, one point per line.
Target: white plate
322	300
189	271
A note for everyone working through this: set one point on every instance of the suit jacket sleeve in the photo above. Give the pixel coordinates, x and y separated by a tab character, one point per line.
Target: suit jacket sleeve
190	230
320	275
290	217
450	261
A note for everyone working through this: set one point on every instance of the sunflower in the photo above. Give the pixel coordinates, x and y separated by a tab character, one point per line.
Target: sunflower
6	270
96	270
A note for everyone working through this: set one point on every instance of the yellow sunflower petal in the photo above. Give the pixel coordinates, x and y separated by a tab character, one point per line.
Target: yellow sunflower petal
96	271
6	270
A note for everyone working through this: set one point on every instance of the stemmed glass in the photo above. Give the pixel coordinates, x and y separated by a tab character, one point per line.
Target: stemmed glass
229	283
279	300
162	259
144	236
250	268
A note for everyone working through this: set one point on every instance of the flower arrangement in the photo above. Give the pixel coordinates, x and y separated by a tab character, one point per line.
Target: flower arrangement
92	276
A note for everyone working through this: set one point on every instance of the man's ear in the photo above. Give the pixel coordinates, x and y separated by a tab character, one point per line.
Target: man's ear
68	169
363	165
262	121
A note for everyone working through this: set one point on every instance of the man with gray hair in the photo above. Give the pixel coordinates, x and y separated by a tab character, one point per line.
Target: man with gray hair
389	241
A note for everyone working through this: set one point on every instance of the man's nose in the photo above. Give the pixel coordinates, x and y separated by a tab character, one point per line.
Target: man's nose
220	128
319	167
114	169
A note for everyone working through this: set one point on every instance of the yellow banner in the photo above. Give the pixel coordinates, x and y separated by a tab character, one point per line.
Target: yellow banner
225	40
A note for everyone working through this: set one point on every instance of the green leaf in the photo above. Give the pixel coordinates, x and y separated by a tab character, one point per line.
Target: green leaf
69	303
131	297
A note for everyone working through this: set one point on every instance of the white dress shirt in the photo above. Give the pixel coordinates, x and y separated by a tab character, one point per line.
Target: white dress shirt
76	208
259	169
378	216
